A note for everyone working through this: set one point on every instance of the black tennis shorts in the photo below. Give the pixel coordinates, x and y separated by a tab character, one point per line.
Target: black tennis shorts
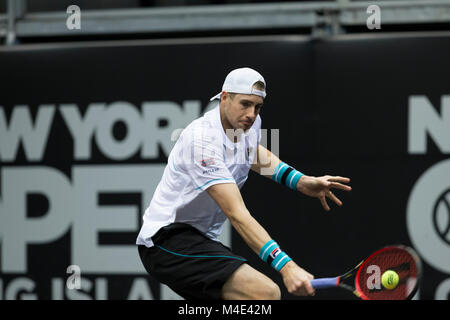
187	261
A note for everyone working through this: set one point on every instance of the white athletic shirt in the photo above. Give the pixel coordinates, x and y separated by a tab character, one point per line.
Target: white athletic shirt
202	157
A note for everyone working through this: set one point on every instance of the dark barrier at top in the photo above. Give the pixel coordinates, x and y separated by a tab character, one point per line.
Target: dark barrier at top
85	133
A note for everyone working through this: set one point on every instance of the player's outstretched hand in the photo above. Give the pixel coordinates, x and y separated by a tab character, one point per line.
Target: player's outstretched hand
320	187
297	280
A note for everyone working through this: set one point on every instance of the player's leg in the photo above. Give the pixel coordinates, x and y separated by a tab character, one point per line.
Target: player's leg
246	283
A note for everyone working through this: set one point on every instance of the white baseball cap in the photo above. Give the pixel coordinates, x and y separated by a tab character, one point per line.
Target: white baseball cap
241	81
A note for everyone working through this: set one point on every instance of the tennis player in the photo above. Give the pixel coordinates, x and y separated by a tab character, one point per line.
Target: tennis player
200	188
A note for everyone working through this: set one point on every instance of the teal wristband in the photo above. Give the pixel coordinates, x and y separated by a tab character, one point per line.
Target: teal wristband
267	249
280	260
286	175
273	255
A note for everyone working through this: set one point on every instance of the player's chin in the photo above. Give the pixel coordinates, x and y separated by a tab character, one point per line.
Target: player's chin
245	125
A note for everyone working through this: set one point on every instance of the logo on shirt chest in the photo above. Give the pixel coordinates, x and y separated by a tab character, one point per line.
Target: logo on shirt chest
210	170
207	162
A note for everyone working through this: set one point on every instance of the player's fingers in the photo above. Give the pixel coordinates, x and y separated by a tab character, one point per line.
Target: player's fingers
337	185
324	203
334	198
339	179
309	289
304	289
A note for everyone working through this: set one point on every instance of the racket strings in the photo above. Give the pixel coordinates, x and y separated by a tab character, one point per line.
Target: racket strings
395	259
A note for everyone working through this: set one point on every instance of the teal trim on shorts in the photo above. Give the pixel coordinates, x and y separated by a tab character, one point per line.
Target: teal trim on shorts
195	256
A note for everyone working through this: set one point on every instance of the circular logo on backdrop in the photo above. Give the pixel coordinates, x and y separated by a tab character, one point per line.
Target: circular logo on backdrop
428	216
441	216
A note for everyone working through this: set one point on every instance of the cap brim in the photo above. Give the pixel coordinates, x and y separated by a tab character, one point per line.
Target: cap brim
217	96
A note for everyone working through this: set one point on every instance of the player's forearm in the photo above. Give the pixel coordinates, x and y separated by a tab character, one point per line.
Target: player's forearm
254	235
266	162
270	166
260	242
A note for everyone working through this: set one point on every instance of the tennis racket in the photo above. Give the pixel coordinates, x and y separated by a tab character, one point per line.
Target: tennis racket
365	280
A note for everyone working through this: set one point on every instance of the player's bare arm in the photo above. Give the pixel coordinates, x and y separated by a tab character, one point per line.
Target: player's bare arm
317	187
229	199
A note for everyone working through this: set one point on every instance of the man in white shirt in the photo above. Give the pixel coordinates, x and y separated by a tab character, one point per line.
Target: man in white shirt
200	188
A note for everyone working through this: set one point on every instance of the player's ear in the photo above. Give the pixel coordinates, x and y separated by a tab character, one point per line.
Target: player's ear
224	96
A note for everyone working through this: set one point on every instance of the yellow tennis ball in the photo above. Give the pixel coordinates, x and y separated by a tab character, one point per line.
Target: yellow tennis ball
389	279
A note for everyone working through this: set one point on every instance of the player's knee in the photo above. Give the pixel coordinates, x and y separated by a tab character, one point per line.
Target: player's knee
269	290
275	292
